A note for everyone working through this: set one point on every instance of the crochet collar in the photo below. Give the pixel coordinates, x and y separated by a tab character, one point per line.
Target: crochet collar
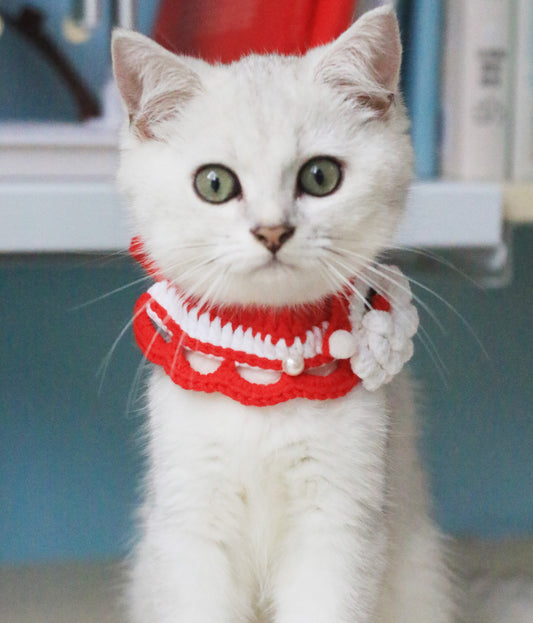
256	355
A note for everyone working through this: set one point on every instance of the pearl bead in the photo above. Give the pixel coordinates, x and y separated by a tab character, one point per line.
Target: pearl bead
342	344
293	365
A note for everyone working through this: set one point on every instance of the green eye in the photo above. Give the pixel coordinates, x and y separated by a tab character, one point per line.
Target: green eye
320	176
216	184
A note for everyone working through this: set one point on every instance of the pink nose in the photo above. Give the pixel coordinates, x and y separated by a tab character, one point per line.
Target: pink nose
273	238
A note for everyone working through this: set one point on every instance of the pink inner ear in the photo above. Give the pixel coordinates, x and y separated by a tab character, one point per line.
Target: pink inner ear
127	74
130	90
376	38
387	62
153	82
364	63
379	103
156	110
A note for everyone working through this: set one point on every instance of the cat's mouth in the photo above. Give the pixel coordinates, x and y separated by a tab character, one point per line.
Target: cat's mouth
274	263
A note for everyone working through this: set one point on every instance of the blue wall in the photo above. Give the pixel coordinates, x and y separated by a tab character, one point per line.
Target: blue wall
68	452
479	418
69	458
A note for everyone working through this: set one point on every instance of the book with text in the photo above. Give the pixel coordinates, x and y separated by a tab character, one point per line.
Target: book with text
476	83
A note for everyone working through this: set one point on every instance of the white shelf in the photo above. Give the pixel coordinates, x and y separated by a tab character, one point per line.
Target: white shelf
75	216
88	216
57	194
58	151
456	215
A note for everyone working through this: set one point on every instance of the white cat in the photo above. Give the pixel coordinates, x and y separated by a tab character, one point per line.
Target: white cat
269	186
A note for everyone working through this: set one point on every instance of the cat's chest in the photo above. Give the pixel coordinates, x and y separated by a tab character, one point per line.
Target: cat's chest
198	437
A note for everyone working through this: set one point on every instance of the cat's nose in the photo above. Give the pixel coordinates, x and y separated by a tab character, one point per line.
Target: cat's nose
273	237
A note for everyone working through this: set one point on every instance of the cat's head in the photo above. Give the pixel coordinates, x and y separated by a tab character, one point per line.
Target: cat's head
271	180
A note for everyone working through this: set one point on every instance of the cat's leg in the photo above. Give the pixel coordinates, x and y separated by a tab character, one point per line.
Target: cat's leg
418	586
180	577
192	548
329	575
332	558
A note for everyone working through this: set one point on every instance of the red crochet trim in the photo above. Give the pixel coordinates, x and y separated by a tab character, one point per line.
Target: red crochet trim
226	380
165	346
138	253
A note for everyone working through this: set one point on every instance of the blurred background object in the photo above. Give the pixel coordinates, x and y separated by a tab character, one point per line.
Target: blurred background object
54	56
223	31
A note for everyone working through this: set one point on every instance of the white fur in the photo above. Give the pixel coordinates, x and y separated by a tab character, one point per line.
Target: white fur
308	511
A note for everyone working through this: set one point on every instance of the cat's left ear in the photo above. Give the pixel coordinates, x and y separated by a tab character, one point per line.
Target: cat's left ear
364	62
154	83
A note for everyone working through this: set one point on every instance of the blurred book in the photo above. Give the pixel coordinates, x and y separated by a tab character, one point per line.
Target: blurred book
422	81
477	78
522	95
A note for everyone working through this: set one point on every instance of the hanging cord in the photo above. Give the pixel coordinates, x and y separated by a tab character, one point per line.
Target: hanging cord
29	24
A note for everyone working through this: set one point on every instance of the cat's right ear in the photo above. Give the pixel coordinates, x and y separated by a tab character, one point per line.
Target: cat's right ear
153	82
363	64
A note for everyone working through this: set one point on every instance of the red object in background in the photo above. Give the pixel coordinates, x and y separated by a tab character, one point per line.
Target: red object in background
225	30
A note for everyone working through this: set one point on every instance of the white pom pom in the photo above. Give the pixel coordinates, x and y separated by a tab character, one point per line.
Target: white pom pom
380	348
364	363
411	321
394	363
342	344
407	351
398	338
376	380
379	322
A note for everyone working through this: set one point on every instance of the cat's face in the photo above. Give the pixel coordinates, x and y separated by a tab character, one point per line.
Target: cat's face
271	180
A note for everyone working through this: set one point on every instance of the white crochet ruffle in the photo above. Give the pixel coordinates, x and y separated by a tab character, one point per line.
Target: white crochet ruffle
200	326
378	345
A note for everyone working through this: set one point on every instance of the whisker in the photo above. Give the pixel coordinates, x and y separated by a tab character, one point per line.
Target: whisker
433	353
454	311
423	335
438	259
147	278
144	362
104	364
381	272
102	297
348	283
335	284
132	398
426	308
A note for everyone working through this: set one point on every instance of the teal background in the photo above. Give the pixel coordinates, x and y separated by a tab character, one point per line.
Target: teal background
70	460
69	456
